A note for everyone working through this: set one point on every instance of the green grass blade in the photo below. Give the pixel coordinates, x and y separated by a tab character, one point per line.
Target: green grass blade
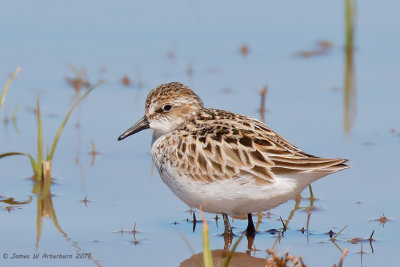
33	163
207	256
230	255
53	147
3	94
40	156
338	233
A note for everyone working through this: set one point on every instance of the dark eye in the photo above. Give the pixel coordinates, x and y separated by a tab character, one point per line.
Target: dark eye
167	108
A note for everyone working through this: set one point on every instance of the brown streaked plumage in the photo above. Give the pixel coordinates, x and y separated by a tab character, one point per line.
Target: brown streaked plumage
232	163
227	145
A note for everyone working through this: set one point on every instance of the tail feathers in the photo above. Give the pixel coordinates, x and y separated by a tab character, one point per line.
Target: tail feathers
334	168
291	166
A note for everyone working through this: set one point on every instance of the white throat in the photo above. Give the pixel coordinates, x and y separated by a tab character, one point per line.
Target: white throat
155	135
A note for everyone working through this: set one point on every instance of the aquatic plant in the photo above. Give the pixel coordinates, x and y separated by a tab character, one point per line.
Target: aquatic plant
42	166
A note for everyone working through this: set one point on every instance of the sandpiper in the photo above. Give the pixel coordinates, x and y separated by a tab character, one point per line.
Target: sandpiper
224	162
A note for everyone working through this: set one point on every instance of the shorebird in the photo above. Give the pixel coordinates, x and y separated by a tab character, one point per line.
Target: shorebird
221	161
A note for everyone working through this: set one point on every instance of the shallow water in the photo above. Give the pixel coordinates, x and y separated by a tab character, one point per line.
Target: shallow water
304	104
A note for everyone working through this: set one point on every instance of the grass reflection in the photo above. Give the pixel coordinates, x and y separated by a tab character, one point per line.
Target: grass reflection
12	201
45	209
12	204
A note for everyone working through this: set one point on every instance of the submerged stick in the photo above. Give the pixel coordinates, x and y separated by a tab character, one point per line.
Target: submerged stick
262	109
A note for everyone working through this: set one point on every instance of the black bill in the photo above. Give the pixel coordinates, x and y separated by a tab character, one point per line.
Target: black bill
142	124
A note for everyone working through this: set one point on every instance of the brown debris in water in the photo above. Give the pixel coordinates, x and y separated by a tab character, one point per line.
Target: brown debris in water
133	231
171	54
262	109
244	50
126	81
383	219
357	240
325	44
323	47
80	80
307	54
85	200
342	258
287	260
94	153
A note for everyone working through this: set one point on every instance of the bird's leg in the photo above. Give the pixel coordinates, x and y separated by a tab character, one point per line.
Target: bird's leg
250	230
228	228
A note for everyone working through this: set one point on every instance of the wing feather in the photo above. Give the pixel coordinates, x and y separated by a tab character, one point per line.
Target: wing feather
222	145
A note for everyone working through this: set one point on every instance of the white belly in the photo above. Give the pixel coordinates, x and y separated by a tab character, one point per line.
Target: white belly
232	196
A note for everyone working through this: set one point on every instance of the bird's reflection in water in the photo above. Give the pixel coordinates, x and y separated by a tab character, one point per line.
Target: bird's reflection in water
219	257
